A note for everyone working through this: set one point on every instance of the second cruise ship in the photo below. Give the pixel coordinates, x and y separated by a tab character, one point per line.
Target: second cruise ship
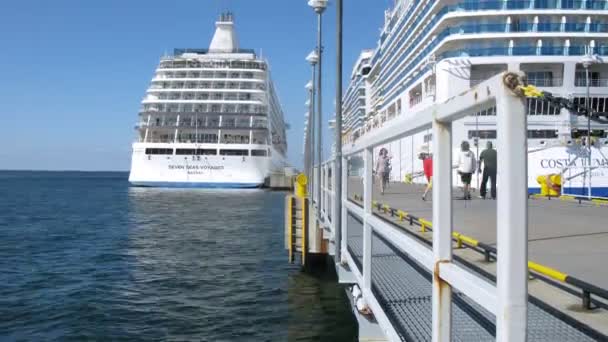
210	118
429	51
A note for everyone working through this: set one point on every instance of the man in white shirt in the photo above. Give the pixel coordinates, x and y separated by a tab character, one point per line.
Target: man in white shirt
466	167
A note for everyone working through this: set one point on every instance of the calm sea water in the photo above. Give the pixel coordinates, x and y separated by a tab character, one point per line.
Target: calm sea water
85	257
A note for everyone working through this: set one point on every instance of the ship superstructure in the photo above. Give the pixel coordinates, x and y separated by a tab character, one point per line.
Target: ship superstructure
210	118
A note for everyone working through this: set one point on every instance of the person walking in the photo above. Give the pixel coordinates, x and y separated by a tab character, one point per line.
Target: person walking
466	167
383	168
488	157
427	166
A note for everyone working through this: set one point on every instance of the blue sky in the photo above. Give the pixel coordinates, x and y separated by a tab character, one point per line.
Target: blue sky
73	73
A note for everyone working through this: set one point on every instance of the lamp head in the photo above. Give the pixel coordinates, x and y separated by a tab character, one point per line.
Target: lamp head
313	58
309	86
590	59
318	5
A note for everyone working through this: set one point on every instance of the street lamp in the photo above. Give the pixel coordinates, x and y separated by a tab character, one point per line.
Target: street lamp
310	156
313	59
337	176
588	60
319	7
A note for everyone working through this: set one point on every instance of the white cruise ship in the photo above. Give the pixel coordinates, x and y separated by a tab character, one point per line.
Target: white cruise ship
432	50
210	118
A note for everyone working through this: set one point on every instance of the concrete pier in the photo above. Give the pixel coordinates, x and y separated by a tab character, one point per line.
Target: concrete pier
563	235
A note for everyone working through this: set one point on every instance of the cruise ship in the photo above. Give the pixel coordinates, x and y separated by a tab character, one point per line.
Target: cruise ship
432	50
210	118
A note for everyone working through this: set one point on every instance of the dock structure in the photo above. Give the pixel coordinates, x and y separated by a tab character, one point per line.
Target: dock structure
447	270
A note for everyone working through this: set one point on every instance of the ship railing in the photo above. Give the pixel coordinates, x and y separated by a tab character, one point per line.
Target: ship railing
594	82
579	181
508	299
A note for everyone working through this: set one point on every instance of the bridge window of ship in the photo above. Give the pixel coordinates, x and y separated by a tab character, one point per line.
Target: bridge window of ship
234	152
159	151
235	139
185	151
542	134
259	153
482	134
206	152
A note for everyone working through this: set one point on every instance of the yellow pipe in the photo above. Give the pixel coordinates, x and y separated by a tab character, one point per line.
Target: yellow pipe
599	202
290	229
548	271
402	214
304	231
463	238
424	224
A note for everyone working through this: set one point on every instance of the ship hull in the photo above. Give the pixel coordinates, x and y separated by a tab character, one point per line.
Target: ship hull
180	171
570	161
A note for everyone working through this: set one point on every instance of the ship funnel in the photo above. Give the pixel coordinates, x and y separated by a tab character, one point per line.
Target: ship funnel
224	39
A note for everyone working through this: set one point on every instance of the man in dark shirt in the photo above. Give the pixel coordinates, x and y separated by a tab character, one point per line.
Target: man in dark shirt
488	156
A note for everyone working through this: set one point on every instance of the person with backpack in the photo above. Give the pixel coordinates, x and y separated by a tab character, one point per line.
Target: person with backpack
466	166
383	167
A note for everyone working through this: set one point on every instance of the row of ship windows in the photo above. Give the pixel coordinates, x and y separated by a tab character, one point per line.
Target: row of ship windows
477	6
205	108
480	50
521	50
516	26
208	75
183	64
208	85
206	152
538	134
211	138
208	122
206	96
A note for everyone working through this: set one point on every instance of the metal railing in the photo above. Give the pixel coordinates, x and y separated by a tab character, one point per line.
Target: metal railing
577	181
508	300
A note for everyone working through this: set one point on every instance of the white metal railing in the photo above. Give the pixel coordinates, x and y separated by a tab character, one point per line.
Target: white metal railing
508	299
578	181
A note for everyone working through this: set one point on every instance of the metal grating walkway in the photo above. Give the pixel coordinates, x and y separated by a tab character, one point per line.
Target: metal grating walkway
404	290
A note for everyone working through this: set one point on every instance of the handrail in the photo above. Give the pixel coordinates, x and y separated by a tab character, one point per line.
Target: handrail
587	289
509	295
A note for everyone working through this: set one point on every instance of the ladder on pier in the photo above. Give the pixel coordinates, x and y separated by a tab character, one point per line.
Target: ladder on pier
296	227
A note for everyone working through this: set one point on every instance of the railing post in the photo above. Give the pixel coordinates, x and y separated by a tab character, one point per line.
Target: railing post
512	218
322	191
442	229
325	186
342	197
367	207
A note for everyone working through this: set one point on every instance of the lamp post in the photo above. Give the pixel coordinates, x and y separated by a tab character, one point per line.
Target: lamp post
337	175
319	7
306	143
588	60
313	59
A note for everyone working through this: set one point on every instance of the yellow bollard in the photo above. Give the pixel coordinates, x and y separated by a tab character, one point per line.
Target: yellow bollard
301	182
556	185
550	185
544	190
